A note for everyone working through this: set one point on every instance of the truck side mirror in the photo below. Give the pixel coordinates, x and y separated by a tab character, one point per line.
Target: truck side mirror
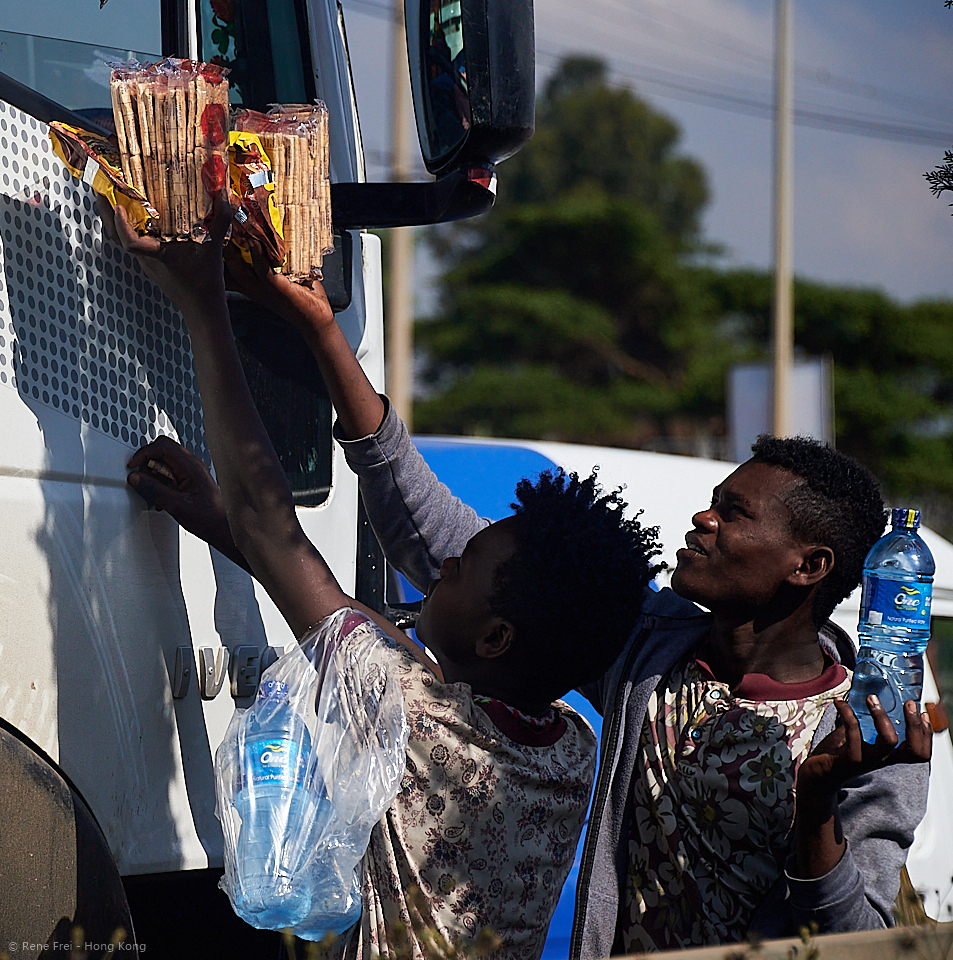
472	70
473	74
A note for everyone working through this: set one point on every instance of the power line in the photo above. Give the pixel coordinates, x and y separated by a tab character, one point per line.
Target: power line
683	87
676	88
693	35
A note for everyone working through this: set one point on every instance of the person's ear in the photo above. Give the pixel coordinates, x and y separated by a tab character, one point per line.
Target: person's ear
497	642
816	563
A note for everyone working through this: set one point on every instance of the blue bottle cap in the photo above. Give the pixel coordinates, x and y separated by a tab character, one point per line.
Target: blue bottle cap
905	519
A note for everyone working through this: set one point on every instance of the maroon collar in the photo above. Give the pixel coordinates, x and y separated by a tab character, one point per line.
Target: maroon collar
759	687
521	727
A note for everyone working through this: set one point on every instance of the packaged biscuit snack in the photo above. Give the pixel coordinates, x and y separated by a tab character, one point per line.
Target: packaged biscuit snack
95	160
252	194
172	129
295	138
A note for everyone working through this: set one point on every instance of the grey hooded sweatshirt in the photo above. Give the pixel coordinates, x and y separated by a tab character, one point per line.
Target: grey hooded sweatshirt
419	523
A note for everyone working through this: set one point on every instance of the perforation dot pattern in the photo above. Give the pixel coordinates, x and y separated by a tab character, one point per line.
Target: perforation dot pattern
81	329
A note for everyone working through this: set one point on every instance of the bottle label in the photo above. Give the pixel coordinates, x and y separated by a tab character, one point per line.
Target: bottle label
891	604
274	761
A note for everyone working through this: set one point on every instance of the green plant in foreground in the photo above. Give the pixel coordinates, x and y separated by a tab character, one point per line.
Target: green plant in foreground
404	936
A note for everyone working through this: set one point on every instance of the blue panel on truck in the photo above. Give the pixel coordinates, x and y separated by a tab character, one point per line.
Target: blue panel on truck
484	475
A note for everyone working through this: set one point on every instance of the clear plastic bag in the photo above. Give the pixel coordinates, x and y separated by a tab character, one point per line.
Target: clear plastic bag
171	123
305	773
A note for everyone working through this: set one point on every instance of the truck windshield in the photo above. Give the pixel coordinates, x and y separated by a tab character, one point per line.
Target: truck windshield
60	48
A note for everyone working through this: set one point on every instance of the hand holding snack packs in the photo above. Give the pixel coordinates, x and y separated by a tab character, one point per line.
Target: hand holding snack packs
175	154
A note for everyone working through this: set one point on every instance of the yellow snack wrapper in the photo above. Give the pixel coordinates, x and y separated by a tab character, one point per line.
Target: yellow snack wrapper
95	160
252	195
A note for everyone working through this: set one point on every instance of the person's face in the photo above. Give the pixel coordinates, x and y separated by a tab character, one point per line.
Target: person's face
741	549
456	614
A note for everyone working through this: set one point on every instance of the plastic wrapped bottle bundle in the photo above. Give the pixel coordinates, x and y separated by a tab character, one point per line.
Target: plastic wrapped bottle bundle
276	806
304	774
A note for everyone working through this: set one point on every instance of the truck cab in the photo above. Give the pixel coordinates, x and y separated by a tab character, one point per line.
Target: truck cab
126	642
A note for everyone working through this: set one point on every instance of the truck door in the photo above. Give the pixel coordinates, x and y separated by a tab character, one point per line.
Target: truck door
109	610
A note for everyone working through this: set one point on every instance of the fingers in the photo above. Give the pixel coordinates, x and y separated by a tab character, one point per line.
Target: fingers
150	489
886	731
221	219
919	734
108	217
130	240
236	269
854	741
260	264
166	458
240	275
158	449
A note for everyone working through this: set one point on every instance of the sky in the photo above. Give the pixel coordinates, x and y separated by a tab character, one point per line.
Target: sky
864	215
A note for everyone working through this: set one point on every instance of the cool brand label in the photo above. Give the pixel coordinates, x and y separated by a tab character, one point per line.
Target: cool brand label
273	761
893	604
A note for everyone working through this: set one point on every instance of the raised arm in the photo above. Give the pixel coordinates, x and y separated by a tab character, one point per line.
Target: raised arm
255	491
417	520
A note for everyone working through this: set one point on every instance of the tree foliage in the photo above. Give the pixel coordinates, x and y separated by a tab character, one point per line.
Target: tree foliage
577	310
578	279
893	374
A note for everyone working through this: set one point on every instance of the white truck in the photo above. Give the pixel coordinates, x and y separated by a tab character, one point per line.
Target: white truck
125	643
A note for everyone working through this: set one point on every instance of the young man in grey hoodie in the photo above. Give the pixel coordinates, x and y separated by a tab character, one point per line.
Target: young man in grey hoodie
713	722
711	719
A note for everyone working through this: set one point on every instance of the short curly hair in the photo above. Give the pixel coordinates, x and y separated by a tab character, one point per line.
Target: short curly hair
573	587
836	501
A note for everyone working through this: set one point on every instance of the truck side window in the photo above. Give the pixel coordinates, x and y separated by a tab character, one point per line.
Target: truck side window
290	396
264	45
68	63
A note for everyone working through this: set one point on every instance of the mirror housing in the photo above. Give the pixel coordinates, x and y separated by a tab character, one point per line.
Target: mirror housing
473	75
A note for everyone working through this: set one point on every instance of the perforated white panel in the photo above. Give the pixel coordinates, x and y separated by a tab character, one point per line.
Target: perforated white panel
81	330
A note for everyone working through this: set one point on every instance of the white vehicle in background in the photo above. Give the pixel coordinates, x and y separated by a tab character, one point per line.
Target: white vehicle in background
670	490
125	643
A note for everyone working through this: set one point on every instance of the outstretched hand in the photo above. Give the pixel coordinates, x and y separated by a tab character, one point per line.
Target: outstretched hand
839	757
843	754
169	477
188	272
304	305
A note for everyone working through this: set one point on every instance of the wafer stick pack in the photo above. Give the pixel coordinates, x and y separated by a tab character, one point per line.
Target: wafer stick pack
172	127
295	137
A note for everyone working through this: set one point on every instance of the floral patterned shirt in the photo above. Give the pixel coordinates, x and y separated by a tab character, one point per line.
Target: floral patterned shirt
713	806
485	824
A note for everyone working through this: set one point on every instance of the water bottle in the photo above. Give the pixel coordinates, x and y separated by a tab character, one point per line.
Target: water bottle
276	807
894	623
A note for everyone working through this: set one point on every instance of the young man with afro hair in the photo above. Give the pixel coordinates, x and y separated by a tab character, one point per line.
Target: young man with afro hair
499	773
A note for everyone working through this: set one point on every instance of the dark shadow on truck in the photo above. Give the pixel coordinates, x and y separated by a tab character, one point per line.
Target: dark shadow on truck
97	351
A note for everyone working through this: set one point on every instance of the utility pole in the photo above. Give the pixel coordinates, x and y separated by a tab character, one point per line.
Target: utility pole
783	313
399	333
